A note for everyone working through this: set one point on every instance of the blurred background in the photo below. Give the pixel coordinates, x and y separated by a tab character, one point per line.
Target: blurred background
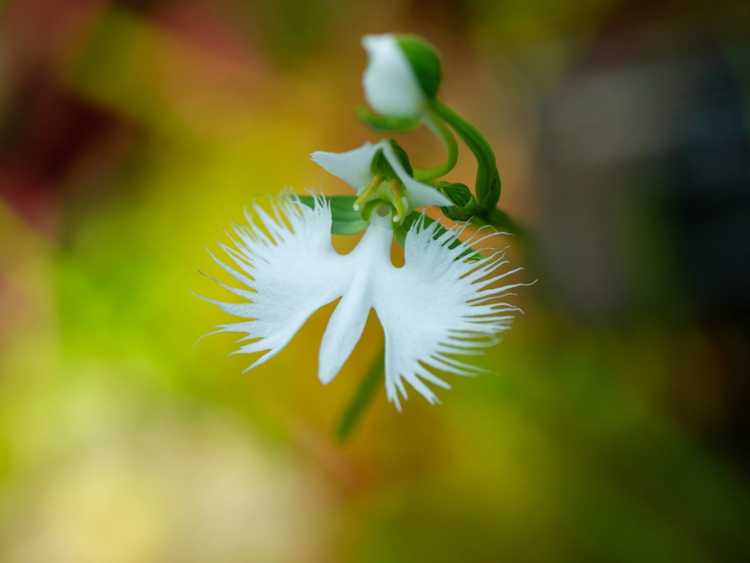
615	426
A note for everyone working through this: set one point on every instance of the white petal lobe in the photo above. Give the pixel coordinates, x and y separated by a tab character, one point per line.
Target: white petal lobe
436	307
288	268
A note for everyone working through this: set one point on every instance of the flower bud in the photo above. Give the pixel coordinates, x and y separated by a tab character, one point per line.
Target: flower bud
403	72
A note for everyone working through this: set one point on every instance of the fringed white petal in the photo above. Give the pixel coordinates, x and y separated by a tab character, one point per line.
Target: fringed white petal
390	85
353	166
287	268
443	302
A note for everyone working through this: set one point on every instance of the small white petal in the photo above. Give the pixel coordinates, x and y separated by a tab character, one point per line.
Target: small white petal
390	85
419	194
353	166
433	308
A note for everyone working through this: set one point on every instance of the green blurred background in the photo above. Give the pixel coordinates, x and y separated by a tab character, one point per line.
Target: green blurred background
615	426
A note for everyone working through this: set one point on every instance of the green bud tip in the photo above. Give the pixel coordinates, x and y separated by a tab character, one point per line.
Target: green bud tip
424	60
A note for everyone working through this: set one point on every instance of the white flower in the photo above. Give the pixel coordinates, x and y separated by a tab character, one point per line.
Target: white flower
354	168
441	303
390	85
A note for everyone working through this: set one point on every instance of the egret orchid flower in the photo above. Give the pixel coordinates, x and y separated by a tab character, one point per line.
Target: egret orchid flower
443	302
355	167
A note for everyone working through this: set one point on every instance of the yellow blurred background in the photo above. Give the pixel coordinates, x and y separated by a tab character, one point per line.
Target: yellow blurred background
615	424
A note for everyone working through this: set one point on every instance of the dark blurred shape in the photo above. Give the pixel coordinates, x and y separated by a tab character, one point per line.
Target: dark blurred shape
48	126
46	129
144	7
646	193
665	140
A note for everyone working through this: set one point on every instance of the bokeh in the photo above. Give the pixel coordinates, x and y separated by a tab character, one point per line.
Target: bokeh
614	424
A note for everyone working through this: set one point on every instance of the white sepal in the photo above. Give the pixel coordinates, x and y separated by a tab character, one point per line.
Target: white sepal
390	85
353	167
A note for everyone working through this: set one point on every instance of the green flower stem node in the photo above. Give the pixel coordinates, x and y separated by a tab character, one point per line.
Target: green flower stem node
488	184
362	398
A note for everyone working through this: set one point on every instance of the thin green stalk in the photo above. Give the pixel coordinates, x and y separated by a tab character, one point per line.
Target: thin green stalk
362	398
488	178
449	141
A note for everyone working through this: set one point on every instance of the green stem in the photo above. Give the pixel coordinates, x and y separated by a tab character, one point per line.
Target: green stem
449	141
488	184
361	399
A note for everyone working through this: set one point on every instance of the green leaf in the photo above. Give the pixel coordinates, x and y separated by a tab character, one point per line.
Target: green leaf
488	184
424	61
458	193
387	123
465	205
346	221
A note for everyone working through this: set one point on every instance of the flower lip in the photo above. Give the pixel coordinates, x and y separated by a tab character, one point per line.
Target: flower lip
390	85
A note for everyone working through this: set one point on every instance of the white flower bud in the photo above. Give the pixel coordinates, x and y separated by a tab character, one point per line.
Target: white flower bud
391	86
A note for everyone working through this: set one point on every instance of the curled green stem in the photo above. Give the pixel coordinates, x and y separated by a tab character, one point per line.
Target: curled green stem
449	141
362	398
488	178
